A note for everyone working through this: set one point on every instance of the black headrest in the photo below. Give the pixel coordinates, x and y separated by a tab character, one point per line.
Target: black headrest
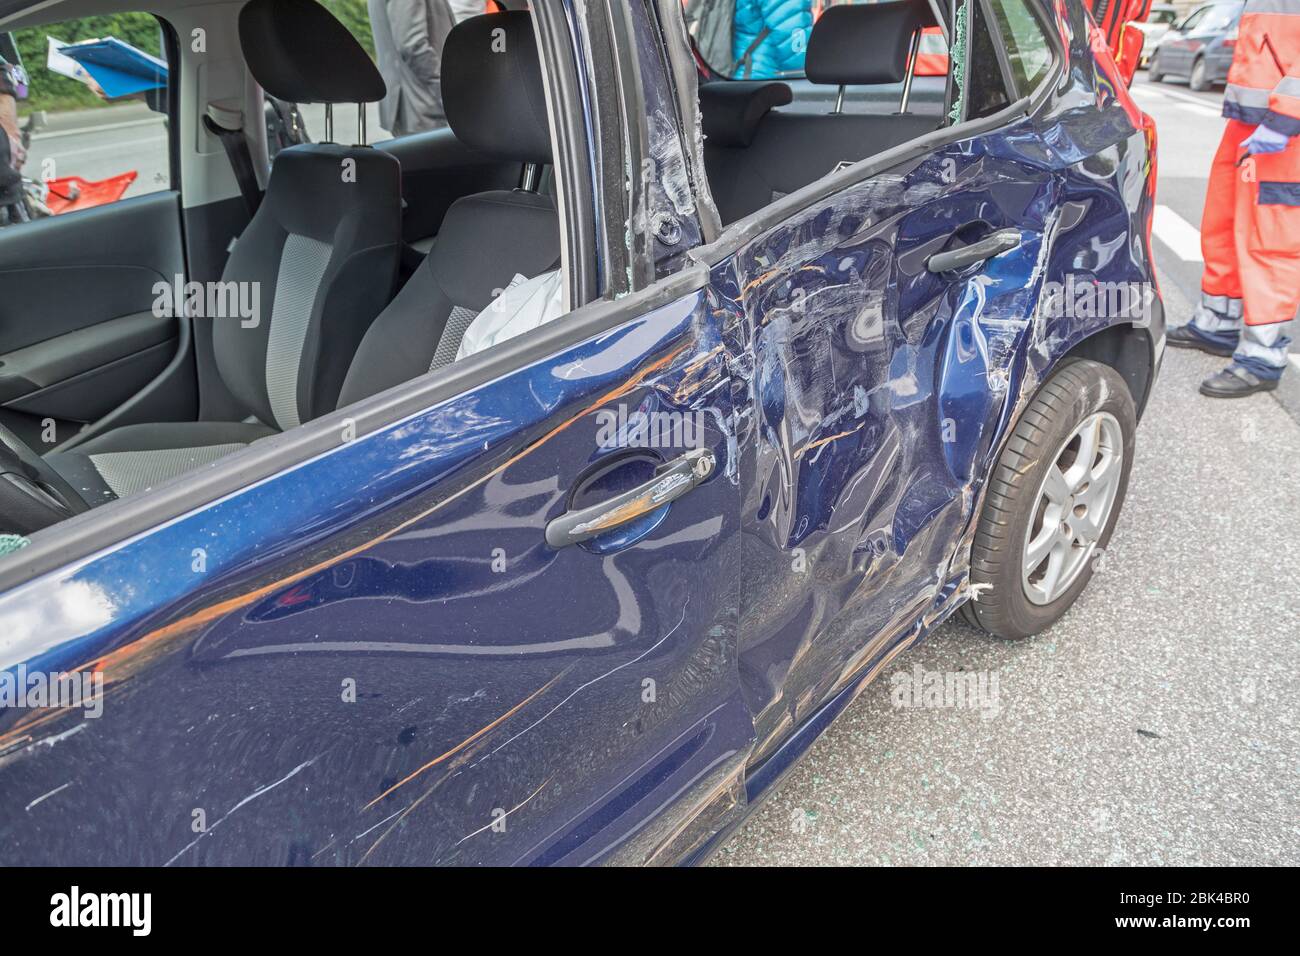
731	110
864	42
492	87
298	51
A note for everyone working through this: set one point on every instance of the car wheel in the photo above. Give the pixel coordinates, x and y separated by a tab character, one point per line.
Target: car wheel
1200	80
1052	501
1153	70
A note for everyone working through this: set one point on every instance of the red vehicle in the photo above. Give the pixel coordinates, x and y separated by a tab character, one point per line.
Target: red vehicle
71	193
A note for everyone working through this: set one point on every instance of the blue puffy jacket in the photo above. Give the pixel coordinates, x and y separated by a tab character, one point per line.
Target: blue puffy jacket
782	49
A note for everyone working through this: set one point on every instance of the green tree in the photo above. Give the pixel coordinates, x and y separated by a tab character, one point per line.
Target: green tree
353	15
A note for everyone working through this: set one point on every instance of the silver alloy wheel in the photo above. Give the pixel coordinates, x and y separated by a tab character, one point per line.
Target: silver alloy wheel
1072	507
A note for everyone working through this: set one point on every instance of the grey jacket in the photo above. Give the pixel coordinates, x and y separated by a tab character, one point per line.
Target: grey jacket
409	35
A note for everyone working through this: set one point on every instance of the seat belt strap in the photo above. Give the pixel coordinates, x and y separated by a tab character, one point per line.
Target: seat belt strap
749	52
241	161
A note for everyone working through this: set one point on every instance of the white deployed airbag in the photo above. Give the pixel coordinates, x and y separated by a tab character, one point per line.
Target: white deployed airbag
524	304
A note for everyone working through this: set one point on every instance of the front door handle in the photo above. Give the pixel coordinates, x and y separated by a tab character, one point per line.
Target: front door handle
670	482
988	247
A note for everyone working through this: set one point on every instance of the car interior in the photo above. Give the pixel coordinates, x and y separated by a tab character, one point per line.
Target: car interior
369	279
327	252
760	145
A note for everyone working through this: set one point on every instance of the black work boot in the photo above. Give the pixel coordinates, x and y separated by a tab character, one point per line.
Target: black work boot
1236	382
1184	337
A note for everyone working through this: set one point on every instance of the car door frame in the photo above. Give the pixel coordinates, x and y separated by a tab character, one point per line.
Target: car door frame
597	236
100	528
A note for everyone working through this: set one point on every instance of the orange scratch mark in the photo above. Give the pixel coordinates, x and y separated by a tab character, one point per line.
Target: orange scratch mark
827	440
468	740
402	816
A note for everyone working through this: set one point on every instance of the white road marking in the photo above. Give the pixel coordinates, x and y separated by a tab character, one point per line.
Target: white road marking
124	146
1295	359
1189	98
1199	110
1192	104
96	130
1182	238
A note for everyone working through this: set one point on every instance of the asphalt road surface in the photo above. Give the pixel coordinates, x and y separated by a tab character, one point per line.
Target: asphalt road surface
1157	722
97	144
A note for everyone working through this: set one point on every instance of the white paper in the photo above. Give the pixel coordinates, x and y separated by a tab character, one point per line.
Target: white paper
58	62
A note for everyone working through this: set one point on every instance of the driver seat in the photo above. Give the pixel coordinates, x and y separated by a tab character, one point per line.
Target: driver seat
322	252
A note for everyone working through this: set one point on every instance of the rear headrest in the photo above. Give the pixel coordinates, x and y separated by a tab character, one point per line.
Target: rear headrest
298	51
492	87
864	42
731	110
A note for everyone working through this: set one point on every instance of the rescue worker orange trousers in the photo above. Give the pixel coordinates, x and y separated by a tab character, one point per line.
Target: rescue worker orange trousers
1250	239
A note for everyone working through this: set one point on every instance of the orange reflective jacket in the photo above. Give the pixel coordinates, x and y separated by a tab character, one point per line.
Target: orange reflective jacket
1264	81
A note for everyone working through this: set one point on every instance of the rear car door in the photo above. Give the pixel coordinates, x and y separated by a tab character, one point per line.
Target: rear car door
891	325
80	332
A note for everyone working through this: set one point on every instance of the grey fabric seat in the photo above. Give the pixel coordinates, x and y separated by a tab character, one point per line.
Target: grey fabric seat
322	253
135	457
756	152
495	106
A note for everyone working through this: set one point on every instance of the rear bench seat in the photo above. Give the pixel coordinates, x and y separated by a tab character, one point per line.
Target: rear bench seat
756	153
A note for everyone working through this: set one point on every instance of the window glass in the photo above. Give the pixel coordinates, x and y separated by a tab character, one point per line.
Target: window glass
1028	49
986	89
1218	18
768	39
83	107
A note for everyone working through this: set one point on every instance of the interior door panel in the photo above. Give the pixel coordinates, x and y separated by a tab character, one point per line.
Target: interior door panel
78	333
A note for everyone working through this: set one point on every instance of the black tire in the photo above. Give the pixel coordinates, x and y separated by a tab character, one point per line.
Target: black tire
1080	388
1153	71
1199	78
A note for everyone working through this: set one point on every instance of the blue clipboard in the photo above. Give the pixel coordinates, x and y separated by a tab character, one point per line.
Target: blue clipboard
119	68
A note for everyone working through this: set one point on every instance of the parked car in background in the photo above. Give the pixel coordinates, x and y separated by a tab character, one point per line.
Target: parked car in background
1199	49
1156	25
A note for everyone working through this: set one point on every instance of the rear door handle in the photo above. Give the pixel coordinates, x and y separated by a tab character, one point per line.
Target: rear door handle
996	244
671	482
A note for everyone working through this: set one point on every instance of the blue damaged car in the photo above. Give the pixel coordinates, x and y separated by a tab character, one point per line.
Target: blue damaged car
534	488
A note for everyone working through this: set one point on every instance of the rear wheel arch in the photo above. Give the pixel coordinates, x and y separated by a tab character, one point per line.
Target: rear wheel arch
1076	391
1128	349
